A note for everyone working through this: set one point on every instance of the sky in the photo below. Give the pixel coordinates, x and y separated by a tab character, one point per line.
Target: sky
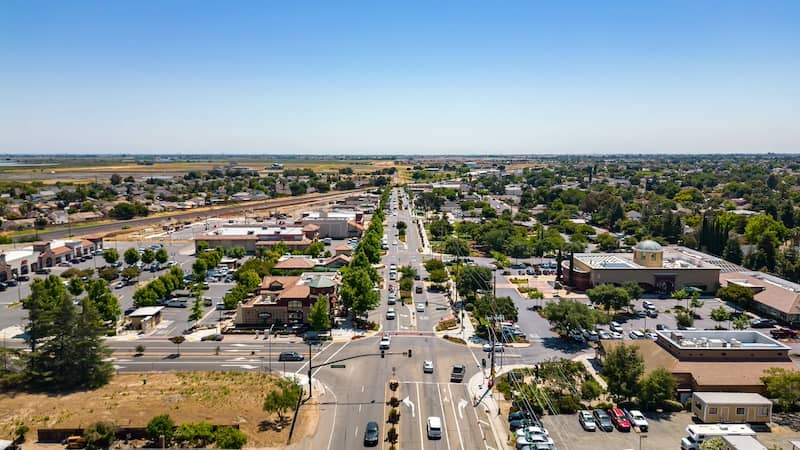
399	77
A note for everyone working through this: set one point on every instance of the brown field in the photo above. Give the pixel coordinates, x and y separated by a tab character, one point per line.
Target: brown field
214	397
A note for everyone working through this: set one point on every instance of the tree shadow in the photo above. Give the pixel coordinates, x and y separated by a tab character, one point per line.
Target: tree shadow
564	345
273	425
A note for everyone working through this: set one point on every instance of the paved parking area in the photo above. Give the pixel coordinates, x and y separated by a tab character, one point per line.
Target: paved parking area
665	432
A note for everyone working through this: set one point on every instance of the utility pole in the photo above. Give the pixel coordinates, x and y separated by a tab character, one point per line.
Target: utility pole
309	369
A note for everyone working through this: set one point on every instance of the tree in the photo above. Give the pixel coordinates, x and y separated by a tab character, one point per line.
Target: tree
249	279
656	388
315	249
438	276
473	278
100	435
284	396
111	255
236	252
440	228
67	347
199	270
566	315
433	264
715	443
129	273
197	310
162	255
736	294
609	296
357	293
178	340
75	286
622	368
783	386
148	256
131	256
319	315
116	179
732	251
104	300
720	314
741	323
229	437
684	319
456	246
161	426
634	290
606	241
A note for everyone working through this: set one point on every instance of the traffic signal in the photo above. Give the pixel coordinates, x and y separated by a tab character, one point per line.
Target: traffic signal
382	354
409	353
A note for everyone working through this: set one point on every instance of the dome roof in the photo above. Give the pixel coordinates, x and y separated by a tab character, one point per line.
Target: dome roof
649	246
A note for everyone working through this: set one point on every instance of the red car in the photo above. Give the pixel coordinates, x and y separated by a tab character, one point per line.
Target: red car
619	419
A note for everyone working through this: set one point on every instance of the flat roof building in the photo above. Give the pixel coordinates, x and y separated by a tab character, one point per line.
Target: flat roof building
251	237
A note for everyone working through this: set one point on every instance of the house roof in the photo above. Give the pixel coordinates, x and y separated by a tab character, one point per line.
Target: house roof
356	225
320	282
295	264
343	258
770	294
311	227
748	398
343	248
58	251
297	291
285	281
146	311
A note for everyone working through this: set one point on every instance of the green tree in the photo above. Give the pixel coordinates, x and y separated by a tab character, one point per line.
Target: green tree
197	310
634	290
456	246
433	264
104	300
161	426
229	437
733	251
720	314
473	278
591	389
438	276
236	252
684	319
566	315
111	255
656	388
736	294
315	249
606	241
100	435
162	255
195	434
249	279
178	340
783	386
622	368
609	297
148	256
75	286
440	228
131	256
283	397
319	315
199	270
130	273
357	293
741	323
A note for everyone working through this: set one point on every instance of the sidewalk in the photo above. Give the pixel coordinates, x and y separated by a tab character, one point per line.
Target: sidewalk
487	400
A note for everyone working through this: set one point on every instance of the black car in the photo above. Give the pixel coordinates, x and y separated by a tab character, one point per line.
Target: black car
11	283
290	356
3	287
371	434
519	415
23	278
299	328
603	420
130	310
763	323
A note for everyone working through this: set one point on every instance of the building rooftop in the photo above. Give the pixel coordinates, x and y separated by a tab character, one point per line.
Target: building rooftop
749	398
13	255
251	230
146	311
649	246
673	258
768	290
731	340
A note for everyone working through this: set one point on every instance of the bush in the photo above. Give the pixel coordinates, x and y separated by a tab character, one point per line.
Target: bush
391	435
394	416
568	405
604	405
229	437
591	389
394	402
19	433
455	340
161	426
673	406
100	435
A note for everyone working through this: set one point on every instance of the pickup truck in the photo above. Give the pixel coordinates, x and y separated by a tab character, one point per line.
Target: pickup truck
783	333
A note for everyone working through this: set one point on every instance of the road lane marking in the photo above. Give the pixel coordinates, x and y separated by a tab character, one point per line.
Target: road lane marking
477	419
407	401
356	433
458	427
335	410
362	388
461	405
419	421
444	421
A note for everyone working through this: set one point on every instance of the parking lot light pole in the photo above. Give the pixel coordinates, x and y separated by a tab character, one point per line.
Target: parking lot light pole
641	436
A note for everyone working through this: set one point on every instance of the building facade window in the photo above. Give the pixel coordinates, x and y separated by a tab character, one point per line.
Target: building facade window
295	304
763	410
739	411
712	410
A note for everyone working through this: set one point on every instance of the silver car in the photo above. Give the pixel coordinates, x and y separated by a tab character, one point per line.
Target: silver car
587	420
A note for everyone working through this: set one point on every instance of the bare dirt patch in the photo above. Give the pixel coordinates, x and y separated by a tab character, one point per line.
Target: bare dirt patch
216	397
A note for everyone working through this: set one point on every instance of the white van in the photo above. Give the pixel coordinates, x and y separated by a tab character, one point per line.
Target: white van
696	434
434	427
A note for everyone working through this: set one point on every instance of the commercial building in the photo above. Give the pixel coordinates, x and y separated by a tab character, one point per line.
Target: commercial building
252	237
286	300
38	255
731	407
335	224
773	297
655	268
710	361
146	318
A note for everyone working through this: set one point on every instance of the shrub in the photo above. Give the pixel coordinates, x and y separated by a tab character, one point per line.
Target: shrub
591	389
100	435
139	349
455	340
673	406
391	435
161	426
394	415
19	433
394	402
604	405
229	437
568	405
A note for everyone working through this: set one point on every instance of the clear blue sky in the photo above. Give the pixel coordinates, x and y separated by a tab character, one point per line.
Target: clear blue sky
383	77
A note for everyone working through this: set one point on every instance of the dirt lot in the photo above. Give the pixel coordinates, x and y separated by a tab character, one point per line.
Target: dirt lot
214	397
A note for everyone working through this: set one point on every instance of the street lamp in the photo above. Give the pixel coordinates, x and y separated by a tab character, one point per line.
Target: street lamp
641	436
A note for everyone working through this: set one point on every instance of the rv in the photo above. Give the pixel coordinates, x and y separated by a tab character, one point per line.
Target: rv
696	434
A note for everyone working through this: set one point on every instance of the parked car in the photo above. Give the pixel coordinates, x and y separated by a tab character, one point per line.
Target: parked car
636	334
615	326
783	333
661	327
290	356
762	323
23	278
641	313
586	420
652	313
637	419
371	434
648	305
619	419
602	420
11	283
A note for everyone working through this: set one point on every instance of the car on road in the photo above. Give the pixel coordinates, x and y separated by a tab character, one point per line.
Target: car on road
602	420
391	314
427	366
371	434
637	419
119	285
23	278
385	343
457	373
619	419
290	356
420	307
11	283
616	327
213	337
497	348
586	420
434	427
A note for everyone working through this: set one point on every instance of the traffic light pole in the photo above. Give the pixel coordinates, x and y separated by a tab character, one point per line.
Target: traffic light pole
407	353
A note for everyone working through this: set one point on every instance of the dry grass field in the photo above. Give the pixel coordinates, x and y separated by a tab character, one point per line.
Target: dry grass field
214	397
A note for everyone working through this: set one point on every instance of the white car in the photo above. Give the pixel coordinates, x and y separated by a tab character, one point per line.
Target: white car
636	334
427	366
386	341
615	327
390	314
434	426
648	305
420	307
637	419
